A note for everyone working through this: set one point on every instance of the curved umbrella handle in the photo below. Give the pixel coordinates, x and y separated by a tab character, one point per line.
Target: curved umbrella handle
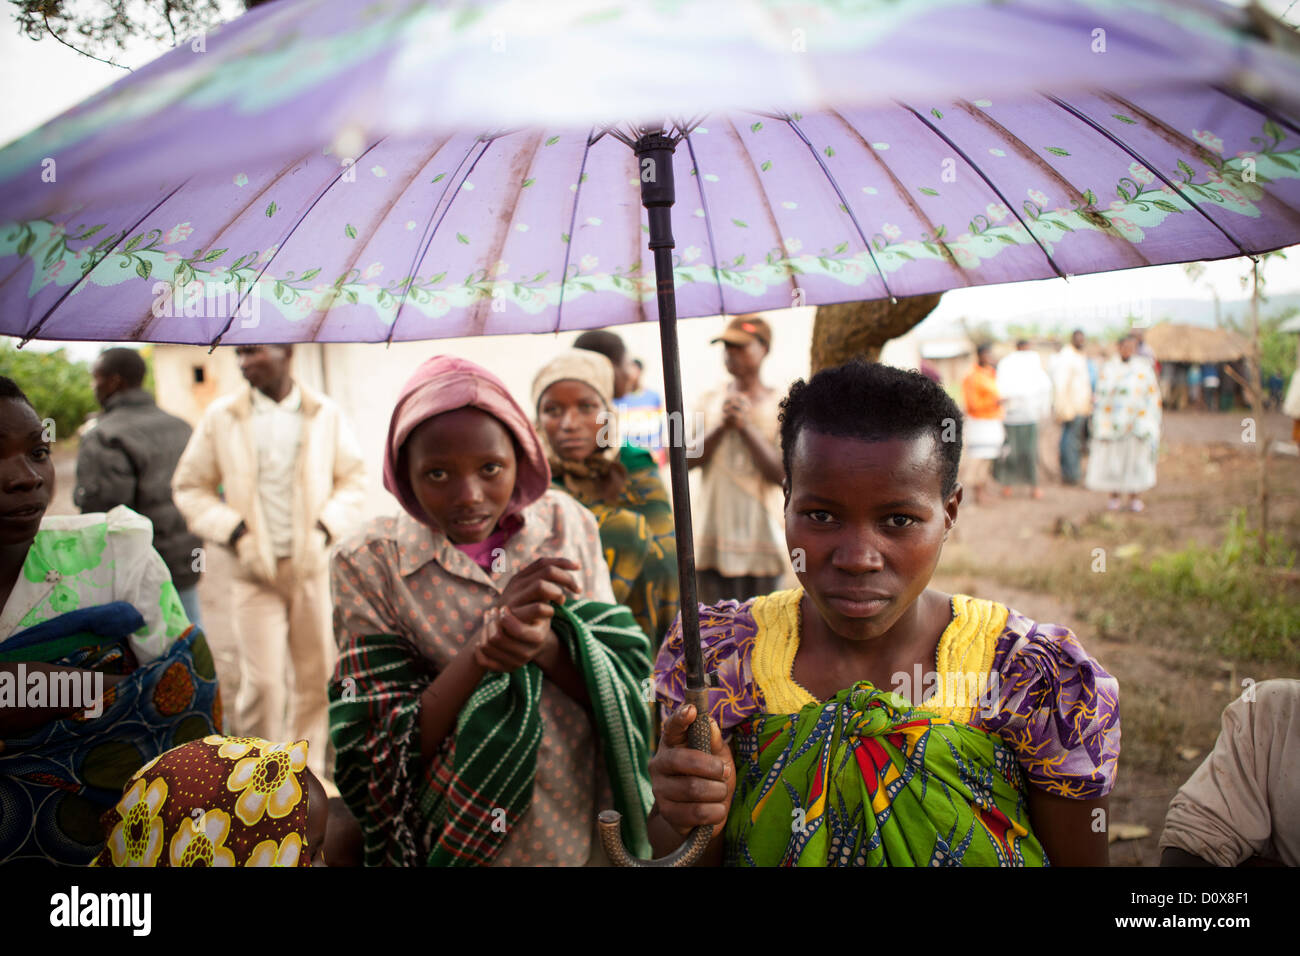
688	853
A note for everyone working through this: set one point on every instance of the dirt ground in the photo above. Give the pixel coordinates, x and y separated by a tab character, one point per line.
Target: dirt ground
1171	692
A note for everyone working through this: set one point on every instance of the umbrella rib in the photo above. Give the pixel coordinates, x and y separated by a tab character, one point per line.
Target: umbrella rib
762	195
478	316
361	247
431	227
93	266
1084	118
988	182
568	246
146	326
1259	107
708	222
844	201
212	346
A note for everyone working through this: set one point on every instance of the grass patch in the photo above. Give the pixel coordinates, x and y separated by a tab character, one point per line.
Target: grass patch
1222	600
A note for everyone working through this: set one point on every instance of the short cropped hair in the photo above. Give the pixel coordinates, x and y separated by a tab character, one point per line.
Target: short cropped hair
606	343
126	363
874	402
9	390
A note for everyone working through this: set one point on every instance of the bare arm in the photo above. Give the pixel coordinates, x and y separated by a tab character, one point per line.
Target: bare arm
664	840
691	788
442	700
707	447
556	664
1072	832
765	455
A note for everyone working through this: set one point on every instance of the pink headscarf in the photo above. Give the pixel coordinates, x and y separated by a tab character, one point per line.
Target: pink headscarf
443	384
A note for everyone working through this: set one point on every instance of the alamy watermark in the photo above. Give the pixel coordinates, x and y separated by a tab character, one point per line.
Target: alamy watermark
197	300
62	690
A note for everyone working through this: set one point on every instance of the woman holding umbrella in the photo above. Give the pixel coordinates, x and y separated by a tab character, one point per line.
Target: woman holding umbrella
864	718
573	396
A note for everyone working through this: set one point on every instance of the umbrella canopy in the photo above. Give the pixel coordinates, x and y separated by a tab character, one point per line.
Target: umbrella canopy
343	205
1174	342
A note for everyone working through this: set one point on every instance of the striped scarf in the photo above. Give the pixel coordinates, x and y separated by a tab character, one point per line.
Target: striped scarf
459	811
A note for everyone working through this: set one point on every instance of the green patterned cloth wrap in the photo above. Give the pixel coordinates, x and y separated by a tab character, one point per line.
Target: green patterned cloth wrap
866	779
449	814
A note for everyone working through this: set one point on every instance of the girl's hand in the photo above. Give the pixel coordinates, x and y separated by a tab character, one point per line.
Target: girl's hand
522	628
544	581
515	638
691	788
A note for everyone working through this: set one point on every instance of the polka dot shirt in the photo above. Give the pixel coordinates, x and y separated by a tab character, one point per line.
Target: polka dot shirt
399	576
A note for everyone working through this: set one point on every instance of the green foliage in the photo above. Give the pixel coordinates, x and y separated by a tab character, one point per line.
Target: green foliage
1228	600
1277	349
59	389
1233	585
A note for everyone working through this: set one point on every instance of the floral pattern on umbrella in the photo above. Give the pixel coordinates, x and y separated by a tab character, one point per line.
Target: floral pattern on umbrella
404	232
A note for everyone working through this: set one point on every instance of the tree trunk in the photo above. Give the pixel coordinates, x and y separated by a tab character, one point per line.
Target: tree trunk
860	329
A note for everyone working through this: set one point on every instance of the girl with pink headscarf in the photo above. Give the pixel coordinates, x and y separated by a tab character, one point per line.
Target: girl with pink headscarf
478	638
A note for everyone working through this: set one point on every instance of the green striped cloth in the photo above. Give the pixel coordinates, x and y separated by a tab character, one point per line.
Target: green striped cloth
449	813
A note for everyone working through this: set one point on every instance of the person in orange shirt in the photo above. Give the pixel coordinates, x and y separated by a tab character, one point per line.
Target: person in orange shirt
984	432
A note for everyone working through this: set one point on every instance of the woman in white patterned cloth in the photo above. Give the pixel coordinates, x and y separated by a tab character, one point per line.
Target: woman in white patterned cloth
88	612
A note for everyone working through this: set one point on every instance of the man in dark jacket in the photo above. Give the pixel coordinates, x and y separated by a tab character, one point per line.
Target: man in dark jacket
127	458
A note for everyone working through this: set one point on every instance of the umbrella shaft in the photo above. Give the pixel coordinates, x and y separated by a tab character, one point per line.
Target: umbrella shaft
677	466
654	152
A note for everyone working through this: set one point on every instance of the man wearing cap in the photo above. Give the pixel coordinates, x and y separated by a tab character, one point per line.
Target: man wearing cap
739	545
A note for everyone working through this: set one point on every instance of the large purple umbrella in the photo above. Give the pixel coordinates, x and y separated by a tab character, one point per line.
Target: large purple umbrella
330	171
532	231
342	174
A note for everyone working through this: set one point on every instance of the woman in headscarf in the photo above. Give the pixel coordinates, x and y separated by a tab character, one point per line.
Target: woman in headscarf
100	670
1125	427
573	397
488	695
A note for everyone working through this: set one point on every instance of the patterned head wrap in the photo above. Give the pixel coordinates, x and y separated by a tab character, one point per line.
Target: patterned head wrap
219	801
601	472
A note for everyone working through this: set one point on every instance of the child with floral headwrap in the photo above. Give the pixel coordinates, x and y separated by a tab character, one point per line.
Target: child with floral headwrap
220	801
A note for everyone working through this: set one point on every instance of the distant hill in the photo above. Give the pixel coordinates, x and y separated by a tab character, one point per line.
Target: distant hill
1185	311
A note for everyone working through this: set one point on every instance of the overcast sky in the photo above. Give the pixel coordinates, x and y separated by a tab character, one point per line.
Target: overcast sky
39	80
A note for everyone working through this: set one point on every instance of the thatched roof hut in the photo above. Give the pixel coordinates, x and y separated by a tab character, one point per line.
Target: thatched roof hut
1173	342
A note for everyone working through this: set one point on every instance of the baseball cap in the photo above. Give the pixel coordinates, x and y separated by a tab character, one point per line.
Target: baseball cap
744	329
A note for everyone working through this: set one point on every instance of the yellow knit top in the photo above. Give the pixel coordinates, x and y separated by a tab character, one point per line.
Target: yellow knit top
963	658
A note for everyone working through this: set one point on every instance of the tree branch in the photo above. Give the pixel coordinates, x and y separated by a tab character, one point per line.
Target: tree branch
50	29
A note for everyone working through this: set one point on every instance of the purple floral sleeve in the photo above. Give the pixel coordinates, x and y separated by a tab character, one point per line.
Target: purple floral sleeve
728	633
1058	709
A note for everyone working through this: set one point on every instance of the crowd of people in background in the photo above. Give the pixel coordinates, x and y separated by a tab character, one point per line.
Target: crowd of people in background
1109	410
465	683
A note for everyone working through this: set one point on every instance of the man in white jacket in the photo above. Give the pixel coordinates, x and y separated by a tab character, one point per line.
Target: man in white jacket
273	473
